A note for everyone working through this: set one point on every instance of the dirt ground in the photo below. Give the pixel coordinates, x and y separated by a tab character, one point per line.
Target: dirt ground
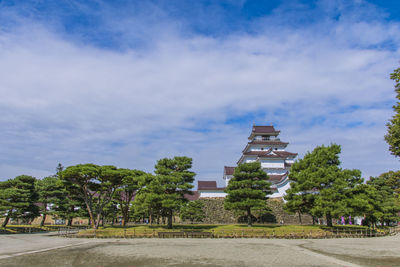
48	250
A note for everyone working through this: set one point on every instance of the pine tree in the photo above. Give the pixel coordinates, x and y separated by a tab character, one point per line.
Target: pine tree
174	179
18	199
94	184
319	186
388	202
248	189
49	189
393	135
125	192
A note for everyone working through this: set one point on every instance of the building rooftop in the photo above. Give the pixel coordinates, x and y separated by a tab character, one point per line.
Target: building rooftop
270	154
229	170
195	196
208	185
268	142
263	130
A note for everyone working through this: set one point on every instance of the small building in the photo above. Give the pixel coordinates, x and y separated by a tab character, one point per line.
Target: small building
263	146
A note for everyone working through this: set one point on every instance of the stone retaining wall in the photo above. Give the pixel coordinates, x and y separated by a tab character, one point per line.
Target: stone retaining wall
216	214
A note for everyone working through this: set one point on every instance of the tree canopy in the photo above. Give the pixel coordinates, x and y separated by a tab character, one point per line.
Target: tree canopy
18	199
95	184
319	186
393	126
173	180
248	189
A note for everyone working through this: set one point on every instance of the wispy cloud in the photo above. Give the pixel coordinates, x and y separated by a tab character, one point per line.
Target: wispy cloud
156	87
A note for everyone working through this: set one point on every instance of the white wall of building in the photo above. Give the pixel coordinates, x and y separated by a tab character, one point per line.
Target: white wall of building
269	163
281	190
250	159
290	161
276	171
213	194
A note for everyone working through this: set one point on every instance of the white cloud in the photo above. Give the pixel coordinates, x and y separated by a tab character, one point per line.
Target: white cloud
67	102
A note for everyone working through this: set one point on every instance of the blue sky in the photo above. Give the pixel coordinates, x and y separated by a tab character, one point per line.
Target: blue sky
130	82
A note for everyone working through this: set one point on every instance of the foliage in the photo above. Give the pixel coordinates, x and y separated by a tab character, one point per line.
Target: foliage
126	191
95	184
387	205
393	126
173	180
230	230
192	211
392	179
18	199
319	186
248	189
148	200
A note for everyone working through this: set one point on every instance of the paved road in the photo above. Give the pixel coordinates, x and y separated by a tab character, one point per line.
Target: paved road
47	250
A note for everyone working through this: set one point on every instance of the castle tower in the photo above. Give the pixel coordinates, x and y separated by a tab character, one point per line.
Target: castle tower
265	146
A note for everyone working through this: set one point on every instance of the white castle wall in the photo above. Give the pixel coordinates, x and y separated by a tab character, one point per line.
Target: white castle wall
281	190
213	194
269	163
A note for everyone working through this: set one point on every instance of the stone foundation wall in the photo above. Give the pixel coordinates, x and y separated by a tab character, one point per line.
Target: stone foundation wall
216	214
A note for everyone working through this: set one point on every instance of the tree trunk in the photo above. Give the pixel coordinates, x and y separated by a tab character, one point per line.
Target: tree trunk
300	218
169	220
249	221
96	225
69	223
125	216
44	215
91	220
6	219
328	219
43	220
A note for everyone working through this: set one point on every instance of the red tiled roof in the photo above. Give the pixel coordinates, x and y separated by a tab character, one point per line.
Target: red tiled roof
276	178
195	196
264	129
229	170
268	142
268	154
285	153
208	185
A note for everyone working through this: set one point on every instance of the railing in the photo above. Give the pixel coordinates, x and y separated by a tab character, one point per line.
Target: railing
192	233
68	231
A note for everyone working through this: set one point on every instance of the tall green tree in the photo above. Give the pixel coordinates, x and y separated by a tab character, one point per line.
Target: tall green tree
18	199
319	186
388	203
148	200
392	179
248	189
393	126
49	190
127	190
174	179
95	184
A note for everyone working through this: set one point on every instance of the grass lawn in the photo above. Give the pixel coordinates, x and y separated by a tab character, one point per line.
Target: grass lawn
29	228
226	231
231	230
